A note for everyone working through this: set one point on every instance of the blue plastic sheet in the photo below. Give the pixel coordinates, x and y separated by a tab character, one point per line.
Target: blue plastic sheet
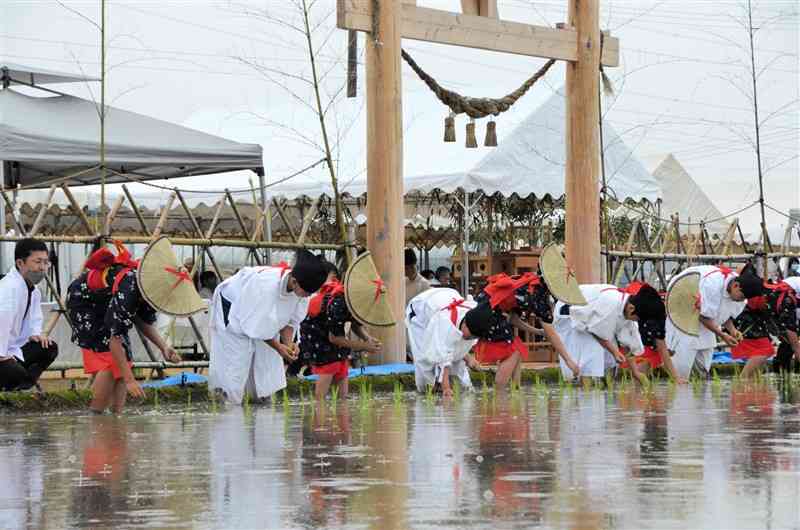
724	357
183	378
378	369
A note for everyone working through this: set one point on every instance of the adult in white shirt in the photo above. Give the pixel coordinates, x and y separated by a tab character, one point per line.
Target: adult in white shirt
442	328
606	322
255	315
24	352
721	301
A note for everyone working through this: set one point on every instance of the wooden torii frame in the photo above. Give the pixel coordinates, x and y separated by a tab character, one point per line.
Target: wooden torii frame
578	42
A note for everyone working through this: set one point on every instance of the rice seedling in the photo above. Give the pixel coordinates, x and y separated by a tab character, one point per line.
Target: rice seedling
334	395
398	392
285	399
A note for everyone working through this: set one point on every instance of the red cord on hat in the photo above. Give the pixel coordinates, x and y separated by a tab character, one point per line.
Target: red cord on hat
379	288
453	307
182	275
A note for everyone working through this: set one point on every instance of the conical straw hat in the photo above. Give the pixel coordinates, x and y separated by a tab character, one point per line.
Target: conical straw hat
682	307
560	279
365	293
164	284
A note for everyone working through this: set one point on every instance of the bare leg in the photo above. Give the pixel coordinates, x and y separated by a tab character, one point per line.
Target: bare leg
102	391
120	393
753	364
322	386
506	370
517	378
343	387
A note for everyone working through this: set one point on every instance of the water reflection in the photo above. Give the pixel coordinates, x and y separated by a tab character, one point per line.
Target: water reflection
714	456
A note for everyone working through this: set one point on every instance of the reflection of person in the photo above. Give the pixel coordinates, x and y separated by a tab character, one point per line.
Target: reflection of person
721	300
770	312
24	352
608	320
415	283
442	328
324	341
104	303
255	315
105	469
516	297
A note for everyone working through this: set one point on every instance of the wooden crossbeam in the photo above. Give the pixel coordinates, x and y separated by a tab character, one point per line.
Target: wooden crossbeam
473	31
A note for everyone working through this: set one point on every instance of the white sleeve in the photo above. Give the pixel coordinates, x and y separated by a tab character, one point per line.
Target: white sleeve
628	336
255	310
599	317
36	317
299	314
7	314
711	288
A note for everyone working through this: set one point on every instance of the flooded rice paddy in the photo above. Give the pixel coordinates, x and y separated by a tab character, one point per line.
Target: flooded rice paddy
716	455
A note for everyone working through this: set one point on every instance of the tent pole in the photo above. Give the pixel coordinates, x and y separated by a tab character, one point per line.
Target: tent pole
465	250
102	106
267	215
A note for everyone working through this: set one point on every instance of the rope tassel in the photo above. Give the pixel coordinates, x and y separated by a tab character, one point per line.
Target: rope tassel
450	129
491	134
472	141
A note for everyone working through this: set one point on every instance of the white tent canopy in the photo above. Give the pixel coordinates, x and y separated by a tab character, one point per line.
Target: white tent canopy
682	195
530	160
44	139
14	74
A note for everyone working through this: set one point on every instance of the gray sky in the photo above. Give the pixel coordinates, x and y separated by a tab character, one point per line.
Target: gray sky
681	87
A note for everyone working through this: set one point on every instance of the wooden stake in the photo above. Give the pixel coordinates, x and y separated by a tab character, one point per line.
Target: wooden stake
112	215
135	209
42	212
385	236
163	219
77	209
583	163
284	218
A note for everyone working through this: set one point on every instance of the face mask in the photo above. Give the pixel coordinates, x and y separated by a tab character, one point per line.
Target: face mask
34	277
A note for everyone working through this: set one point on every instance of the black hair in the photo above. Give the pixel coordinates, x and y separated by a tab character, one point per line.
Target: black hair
648	304
331	268
26	247
428	274
207	276
751	285
410	257
442	270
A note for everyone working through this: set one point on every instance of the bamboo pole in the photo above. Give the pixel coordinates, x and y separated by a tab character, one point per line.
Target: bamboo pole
284	218
43	211
78	210
163	219
199	233
240	220
135	209
187	241
307	222
112	214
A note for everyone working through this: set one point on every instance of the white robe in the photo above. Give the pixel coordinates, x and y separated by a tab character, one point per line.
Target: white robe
794	283
716	304
16	328
260	308
603	316
435	341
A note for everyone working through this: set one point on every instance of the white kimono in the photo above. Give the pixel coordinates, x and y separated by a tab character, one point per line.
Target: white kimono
794	283
260	308
435	341
715	303
17	327
603	317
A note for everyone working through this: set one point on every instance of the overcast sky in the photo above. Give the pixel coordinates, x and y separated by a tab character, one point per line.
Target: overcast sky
681	88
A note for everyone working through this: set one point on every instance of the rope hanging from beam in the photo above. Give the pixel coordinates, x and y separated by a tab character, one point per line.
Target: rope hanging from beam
473	107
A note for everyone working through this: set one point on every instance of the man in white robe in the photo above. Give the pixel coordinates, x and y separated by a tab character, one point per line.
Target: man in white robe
24	352
606	322
255	316
721	300
442	328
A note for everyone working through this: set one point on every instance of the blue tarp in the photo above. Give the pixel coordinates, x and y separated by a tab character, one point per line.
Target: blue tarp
724	357
378	369
183	378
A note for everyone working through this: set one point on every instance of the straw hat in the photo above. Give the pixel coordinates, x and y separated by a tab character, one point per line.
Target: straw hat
682	306
559	278
365	293
164	284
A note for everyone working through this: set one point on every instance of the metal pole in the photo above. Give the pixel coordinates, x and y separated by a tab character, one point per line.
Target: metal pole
102	106
465	250
267	217
2	214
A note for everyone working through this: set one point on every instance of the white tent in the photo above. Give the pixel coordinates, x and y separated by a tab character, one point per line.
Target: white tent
682	195
44	139
16	74
530	160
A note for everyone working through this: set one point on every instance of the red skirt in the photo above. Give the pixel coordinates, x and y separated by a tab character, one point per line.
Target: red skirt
650	356
94	362
338	369
491	352
748	348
